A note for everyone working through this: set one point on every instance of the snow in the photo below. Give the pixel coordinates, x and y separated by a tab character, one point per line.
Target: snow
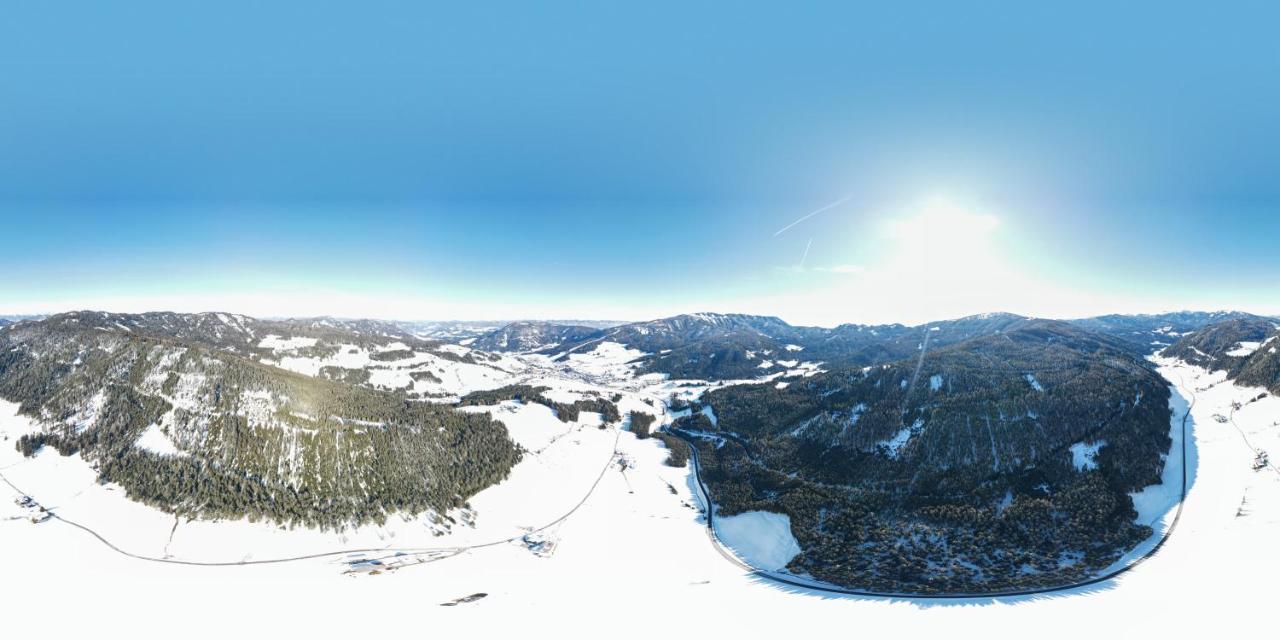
632	541
155	440
532	426
1155	501
1083	455
607	358
935	382
279	343
1244	348
893	446
897	442
456	349
390	378
1247	348
87	417
1035	384
761	538
455	377
804	369
710	414
794	347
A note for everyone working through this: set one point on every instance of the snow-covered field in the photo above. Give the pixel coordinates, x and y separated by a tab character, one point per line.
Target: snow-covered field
632	561
761	538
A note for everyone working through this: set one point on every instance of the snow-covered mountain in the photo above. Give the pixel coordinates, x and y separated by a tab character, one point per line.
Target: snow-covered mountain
207	415
955	457
530	336
1016	441
1152	332
460	331
715	346
1247	348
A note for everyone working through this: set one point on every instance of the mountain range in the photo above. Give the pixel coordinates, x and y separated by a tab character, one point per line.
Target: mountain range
978	454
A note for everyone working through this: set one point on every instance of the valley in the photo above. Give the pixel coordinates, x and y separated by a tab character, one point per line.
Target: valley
897	497
636	535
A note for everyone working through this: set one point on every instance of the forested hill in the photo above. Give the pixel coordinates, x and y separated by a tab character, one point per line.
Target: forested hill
179	411
1000	461
533	336
1149	333
714	346
372	353
230	332
1248	349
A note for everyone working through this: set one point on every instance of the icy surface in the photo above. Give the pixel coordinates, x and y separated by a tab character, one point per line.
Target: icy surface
1247	348
154	440
280	343
761	538
1084	454
710	414
893	446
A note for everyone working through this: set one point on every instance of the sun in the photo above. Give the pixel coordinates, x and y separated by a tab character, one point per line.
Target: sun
942	241
940	222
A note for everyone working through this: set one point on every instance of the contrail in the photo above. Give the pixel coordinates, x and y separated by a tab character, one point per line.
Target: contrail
814	213
806	253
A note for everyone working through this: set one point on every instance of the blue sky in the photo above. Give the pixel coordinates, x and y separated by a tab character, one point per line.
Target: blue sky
609	160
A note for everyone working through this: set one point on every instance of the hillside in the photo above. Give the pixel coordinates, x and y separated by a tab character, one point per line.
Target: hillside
713	346
1248	349
375	354
533	336
997	462
184	412
1149	333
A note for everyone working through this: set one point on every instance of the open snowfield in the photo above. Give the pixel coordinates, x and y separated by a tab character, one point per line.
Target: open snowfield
761	538
633	560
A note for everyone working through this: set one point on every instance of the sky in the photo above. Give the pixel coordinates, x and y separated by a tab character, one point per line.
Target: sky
825	163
